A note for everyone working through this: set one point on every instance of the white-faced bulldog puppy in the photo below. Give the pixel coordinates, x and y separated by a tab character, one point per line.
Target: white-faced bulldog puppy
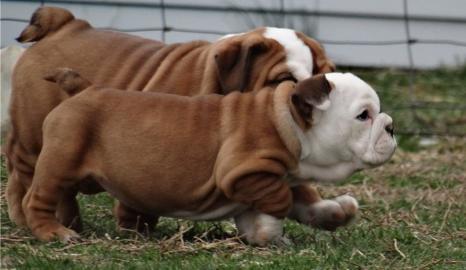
208	157
245	62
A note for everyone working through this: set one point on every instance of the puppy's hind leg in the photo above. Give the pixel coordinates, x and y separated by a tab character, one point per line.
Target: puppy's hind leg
53	179
40	205
260	229
15	192
20	164
68	211
131	219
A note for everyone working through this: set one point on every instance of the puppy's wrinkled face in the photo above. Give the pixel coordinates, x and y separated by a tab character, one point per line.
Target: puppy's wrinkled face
348	134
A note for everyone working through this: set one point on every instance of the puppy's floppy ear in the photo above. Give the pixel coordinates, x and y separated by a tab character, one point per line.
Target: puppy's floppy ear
311	93
234	58
321	62
69	80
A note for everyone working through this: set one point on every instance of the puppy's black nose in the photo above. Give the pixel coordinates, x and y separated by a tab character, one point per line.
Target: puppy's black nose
389	129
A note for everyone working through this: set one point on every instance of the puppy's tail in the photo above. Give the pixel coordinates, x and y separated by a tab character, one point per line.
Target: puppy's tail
44	21
69	80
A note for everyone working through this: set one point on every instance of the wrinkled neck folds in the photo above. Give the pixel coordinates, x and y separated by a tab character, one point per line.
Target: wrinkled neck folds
290	132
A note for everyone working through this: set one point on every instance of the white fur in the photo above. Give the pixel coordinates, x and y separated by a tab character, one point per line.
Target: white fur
298	55
322	211
230	35
349	204
338	144
325	211
324	105
225	211
9	56
260	229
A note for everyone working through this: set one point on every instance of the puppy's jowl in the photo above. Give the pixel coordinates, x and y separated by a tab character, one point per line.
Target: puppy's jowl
209	157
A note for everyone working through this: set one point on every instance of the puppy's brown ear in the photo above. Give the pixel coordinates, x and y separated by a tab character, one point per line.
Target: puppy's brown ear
44	21
311	93
322	64
233	60
68	80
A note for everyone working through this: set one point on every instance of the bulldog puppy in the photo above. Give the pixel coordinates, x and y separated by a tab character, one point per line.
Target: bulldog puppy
244	62
208	157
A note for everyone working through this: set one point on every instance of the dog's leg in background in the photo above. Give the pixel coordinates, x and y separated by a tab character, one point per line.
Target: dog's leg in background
68	211
20	173
310	209
15	189
15	192
260	229
130	219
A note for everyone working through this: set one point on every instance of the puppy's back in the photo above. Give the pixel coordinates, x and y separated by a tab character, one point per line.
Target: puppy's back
112	116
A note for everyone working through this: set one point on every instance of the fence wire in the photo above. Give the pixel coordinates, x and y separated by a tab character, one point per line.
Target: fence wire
419	117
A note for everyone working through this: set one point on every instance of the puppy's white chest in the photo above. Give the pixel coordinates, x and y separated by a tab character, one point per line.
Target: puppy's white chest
324	173
225	211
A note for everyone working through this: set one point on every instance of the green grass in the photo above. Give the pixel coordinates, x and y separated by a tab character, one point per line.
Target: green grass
413	216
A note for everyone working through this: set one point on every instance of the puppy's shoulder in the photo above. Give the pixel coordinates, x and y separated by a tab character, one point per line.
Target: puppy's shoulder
88	101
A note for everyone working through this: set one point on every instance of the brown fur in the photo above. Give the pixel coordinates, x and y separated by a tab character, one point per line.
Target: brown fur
246	62
43	22
302	97
193	154
68	80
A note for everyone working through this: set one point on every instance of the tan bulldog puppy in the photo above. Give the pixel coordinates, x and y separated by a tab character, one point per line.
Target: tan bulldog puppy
208	157
245	62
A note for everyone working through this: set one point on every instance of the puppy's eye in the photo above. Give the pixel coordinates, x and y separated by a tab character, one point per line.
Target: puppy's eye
285	77
363	116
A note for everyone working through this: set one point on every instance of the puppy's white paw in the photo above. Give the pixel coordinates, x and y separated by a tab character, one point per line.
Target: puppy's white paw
260	229
349	204
56	232
328	214
69	236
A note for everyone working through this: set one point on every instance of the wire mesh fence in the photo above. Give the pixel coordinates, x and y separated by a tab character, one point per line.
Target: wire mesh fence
422	102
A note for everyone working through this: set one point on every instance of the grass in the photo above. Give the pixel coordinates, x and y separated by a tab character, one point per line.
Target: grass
413	216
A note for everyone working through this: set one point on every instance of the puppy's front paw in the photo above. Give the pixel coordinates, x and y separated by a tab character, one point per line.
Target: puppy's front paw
51	233
260	229
331	214
349	205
